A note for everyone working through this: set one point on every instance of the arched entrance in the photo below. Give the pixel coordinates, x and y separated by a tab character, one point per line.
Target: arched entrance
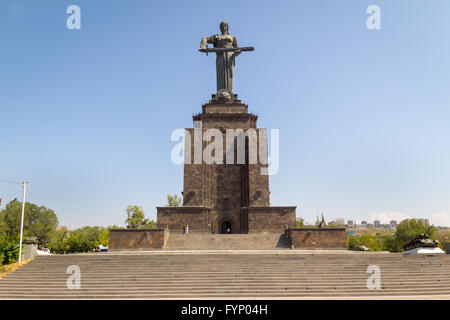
225	227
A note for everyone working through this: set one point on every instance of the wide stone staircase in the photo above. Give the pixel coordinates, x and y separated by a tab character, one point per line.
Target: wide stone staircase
174	275
193	241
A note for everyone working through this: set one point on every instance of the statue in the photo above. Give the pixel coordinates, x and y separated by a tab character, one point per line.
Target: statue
226	49
322	223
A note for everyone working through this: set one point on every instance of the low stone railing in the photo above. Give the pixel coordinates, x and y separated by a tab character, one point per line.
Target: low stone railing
317	238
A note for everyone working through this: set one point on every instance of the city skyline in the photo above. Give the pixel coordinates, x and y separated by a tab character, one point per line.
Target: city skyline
346	221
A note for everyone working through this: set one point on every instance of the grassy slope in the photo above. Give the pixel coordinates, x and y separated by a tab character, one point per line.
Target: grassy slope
7	269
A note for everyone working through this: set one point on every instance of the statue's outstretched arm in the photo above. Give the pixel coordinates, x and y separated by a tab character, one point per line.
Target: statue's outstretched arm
235	45
206	40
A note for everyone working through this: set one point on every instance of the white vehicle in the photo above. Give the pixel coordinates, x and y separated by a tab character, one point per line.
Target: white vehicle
101	248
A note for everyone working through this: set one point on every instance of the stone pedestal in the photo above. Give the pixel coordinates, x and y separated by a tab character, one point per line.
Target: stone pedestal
424	251
222	196
29	251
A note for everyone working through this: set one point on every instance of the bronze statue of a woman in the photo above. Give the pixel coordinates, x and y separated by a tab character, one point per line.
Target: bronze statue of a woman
226	49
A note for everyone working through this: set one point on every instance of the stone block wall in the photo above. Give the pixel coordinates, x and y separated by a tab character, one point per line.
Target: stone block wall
175	218
269	219
258	187
137	239
317	238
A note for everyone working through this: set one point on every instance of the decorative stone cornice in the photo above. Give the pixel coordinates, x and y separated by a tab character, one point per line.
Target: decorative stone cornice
225	117
138	229
183	209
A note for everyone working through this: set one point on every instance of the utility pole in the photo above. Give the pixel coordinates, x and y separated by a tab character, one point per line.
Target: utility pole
25	186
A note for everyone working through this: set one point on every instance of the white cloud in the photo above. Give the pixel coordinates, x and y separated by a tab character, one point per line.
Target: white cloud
386	217
440	219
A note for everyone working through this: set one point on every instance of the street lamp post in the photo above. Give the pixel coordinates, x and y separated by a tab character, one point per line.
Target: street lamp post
25	185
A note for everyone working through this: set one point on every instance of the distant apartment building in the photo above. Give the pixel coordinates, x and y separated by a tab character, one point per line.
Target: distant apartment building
424	221
377	224
350	223
340	221
393	223
62	228
364	223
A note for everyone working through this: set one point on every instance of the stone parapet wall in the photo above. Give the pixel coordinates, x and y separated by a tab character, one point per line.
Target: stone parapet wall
175	218
269	219
317	238
137	239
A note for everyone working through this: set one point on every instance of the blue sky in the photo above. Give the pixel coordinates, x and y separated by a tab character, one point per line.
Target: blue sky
86	115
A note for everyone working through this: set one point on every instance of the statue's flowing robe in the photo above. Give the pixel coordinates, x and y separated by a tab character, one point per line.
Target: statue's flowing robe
224	60
225	68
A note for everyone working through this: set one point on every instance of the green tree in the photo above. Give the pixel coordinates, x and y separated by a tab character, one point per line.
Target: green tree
3	225
39	221
174	201
59	241
300	223
372	242
352	242
390	243
136	218
9	249
103	237
149	224
80	240
84	239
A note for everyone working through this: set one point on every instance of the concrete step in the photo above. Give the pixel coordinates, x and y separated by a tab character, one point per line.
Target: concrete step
205	276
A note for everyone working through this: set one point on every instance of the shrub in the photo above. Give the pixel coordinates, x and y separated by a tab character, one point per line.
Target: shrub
352	242
370	241
9	250
79	240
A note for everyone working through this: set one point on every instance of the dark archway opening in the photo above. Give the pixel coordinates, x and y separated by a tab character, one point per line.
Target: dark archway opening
225	227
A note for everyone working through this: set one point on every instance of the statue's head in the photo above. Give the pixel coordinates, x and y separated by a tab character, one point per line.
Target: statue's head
224	27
